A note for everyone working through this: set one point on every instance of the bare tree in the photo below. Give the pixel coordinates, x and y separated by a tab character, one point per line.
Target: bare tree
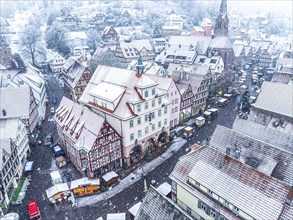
32	47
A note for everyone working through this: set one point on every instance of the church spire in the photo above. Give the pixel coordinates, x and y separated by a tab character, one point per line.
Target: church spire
139	67
222	21
223	7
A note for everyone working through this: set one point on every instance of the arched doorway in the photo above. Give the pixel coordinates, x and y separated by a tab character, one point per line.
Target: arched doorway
163	138
135	154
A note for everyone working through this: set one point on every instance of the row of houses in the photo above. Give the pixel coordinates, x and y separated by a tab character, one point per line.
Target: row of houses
138	107
23	106
244	173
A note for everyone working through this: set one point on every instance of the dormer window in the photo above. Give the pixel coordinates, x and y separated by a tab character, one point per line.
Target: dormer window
160	100
146	93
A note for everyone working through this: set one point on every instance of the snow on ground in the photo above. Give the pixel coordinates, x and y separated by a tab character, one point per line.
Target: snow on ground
133	177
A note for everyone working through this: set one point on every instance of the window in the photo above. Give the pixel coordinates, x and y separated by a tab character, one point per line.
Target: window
171	93
139	120
146	106
110	137
175	92
131	123
153	127
146	130
210	192
213	213
165	121
132	137
153	103
146	93
226	203
165	110
105	130
203	206
176	109
146	118
159	113
236	209
153	91
176	101
139	133
159	124
138	108
160	100
188	210
101	140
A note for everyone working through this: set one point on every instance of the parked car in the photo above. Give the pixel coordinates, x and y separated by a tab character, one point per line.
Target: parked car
57	151
33	210
222	102
48	140
187	132
214	112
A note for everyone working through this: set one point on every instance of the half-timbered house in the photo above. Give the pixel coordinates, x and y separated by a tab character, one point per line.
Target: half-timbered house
92	144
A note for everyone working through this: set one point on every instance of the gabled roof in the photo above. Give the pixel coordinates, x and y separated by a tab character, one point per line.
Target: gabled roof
132	48
107	29
237	49
272	160
277	98
74	73
221	42
263	133
15	101
84	124
122	79
225	180
155	206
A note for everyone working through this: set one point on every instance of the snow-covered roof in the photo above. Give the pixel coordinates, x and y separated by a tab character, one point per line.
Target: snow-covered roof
61	187
116	216
110	175
55	175
277	98
134	209
107	91
75	34
15	101
220	42
84	123
164	83
132	48
28	166
237	49
246	198
118	78
9	128
164	188
84	182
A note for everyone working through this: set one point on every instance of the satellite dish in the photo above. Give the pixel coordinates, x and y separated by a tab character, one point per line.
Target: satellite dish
10	216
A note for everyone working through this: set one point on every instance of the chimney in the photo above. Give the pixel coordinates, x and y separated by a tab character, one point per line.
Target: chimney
4	112
222	160
228	150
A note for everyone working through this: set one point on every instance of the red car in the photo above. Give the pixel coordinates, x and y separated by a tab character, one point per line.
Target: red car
33	210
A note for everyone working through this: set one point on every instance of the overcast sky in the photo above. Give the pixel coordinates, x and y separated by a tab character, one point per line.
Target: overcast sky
253	6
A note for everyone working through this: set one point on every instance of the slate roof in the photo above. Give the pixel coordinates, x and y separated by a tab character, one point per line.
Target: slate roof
155	206
83	122
268	135
232	179
273	160
277	98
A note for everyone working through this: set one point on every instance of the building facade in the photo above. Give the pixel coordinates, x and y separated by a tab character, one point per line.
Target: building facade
109	35
133	104
57	63
92	144
9	170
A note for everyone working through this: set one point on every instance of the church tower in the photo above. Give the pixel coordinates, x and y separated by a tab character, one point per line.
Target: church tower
139	67
222	21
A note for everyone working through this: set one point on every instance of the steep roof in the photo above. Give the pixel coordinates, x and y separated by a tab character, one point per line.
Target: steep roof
155	206
232	179
74	73
84	123
272	160
263	133
15	101
277	98
221	42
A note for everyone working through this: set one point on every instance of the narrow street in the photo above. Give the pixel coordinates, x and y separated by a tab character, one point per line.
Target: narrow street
121	202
